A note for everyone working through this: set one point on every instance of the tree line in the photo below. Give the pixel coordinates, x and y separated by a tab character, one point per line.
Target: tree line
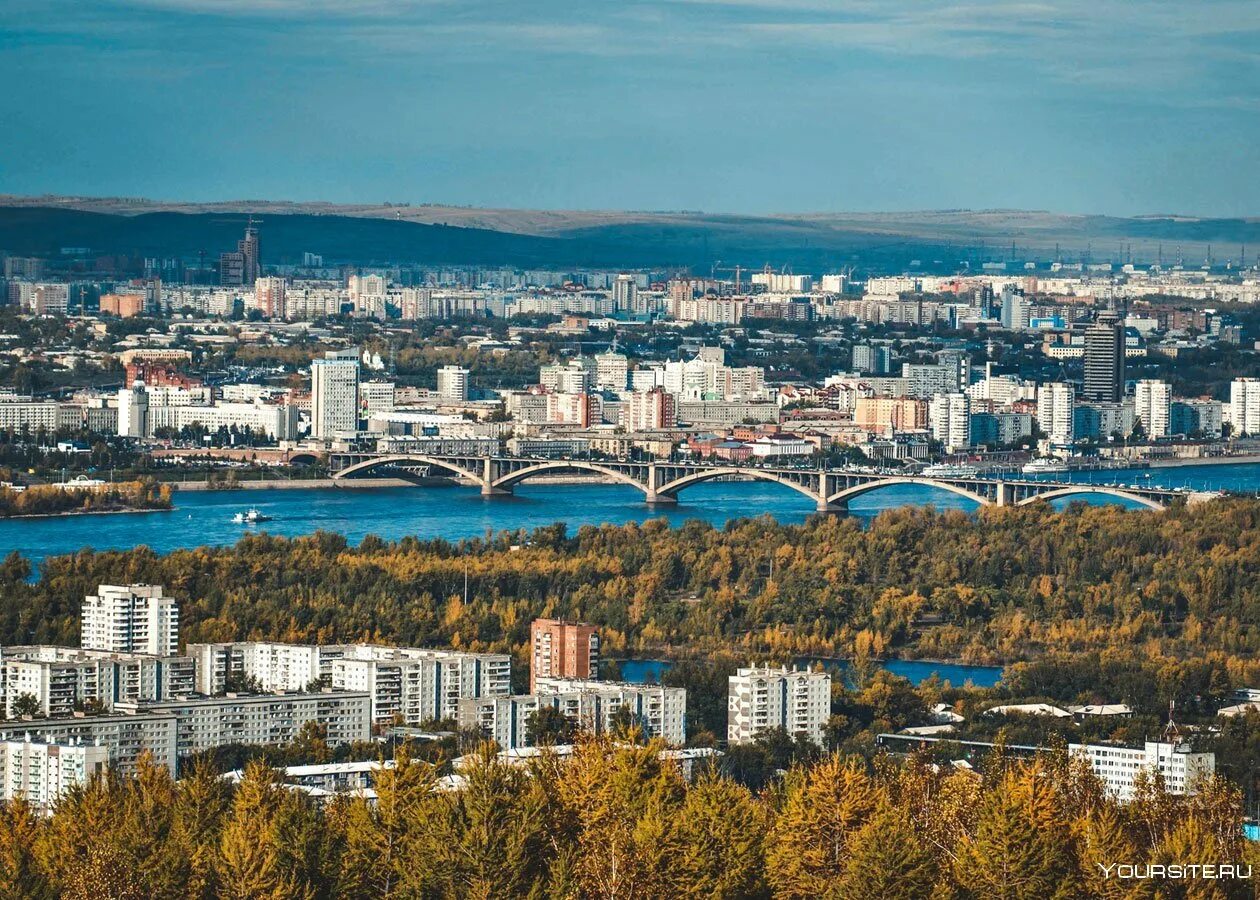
615	820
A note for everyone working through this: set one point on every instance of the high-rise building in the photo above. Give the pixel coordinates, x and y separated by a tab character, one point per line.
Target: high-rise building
1015	310
761	699
871	359
135	618
1152	401
950	418
1104	359
649	410
452	383
560	649
269	297
624	292
1244	406
243	265
611	371
1055	412
335	394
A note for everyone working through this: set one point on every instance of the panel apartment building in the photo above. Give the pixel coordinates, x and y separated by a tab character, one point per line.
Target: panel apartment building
406	684
592	706
63	679
134	618
761	699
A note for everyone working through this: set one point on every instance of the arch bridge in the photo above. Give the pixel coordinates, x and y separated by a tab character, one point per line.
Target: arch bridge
661	482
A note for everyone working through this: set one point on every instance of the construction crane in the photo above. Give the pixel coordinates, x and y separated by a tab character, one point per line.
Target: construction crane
718	267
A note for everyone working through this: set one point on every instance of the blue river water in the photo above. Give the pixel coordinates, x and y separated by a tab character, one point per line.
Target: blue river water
453	512
914	670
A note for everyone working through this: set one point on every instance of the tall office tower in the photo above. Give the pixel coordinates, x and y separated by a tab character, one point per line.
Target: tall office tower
560	649
1055	412
1104	359
1244	406
950	418
871	359
1152	401
624	292
335	394
133	618
452	383
251	260
611	371
241	266
269	297
762	699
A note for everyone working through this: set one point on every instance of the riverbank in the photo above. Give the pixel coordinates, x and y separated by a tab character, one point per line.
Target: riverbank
87	512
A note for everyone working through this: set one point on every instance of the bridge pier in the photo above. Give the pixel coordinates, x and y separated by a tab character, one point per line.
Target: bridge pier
1003	498
655	499
489	490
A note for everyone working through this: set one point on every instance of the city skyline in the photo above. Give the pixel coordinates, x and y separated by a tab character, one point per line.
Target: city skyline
747	106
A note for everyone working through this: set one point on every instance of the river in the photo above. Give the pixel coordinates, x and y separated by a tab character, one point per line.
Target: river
454	512
916	671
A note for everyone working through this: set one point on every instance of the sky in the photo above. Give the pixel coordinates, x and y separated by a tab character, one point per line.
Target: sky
1121	107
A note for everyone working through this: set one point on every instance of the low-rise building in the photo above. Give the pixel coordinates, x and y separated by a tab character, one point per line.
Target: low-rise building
1118	767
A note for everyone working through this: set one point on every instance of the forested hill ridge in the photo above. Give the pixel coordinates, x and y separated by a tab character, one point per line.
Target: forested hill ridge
997	586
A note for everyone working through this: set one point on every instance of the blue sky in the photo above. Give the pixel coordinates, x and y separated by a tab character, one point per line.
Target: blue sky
1110	106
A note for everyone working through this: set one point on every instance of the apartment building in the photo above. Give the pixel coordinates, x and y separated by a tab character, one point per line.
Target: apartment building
41	772
560	649
62	679
1118	767
408	683
203	723
125	737
761	699
592	706
134	618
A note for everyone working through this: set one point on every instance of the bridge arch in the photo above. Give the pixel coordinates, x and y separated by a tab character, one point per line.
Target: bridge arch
1085	488
379	462
858	490
671	488
505	482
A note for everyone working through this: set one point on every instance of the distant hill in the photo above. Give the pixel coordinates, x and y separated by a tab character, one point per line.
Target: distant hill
378	233
41	231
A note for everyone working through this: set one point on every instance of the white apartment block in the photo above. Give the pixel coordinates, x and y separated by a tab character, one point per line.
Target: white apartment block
410	683
950	418
1152	402
203	723
42	773
1055	411
62	679
592	706
761	699
125	737
1118	767
134	618
1244	406
452	383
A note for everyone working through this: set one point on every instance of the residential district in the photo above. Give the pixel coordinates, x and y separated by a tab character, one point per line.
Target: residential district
129	691
1047	367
